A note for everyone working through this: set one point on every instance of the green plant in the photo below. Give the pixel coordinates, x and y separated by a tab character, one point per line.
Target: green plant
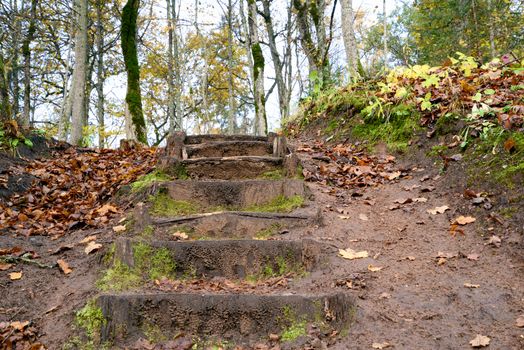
89	320
164	205
296	327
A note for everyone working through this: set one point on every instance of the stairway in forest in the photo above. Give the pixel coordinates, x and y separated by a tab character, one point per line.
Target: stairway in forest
209	258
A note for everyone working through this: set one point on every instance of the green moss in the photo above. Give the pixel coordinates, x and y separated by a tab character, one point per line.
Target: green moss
149	264
446	124
179	171
280	204
147	232
296	327
118	278
149	179
508	212
153	333
164	205
268	232
273	175
258	60
89	321
436	151
395	133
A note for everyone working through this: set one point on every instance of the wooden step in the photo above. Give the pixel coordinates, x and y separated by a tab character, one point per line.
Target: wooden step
237	225
233	259
233	317
233	193
228	149
205	138
225	168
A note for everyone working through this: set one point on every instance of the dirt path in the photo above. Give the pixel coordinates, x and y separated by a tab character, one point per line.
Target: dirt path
420	299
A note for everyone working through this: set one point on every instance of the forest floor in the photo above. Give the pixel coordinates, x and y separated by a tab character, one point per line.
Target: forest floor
443	269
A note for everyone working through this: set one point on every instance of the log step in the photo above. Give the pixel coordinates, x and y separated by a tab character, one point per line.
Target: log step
225	168
233	259
234	317
228	149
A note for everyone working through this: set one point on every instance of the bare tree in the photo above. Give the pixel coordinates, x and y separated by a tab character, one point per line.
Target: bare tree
348	34
78	87
26	52
258	70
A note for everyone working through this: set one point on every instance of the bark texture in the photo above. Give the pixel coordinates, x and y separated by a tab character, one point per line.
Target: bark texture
129	50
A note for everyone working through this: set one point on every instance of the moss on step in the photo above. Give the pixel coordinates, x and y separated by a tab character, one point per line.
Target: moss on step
280	204
280	267
147	180
268	232
163	205
88	321
149	264
295	326
277	174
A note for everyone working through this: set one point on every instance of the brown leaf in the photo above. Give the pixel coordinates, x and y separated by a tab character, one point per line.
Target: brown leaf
19	326
509	145
180	235
473	256
92	247
119	228
469	285
350	254
88	239
374	268
438	210
403	200
495	240
464	220
15	276
480	341
520	321
4	267
380	346
64	266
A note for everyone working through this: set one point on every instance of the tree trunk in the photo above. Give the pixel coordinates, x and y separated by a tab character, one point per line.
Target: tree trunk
15	81
247	43
178	76
348	34
170	72
491	30
129	51
277	62
78	86
26	52
231	122
385	35
258	71
100	76
5	110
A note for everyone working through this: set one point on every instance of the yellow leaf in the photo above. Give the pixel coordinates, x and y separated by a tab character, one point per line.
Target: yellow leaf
374	268
19	326
350	254
91	247
64	266
438	210
119	228
464	220
15	275
480	341
88	239
469	285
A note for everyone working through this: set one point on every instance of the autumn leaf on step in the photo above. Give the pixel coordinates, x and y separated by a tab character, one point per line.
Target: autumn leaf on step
15	276
119	228
480	341
350	254
438	210
179	235
92	247
464	220
64	266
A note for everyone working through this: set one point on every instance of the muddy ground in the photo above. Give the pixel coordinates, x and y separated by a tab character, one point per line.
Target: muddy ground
428	289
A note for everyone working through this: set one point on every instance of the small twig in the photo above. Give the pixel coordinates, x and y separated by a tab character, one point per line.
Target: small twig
21	259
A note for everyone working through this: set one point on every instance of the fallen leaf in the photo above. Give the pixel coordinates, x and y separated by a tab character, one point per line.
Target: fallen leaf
420	200
469	285
438	210
394	175
105	209
473	256
374	268
343	217
446	255
19	326
403	200
119	228
469	194
350	254
441	261
509	144
363	217
520	321
64	266
454	229
87	239
495	241
92	247
380	346
464	220
180	235
4	267
15	276
480	341
384	295
410	258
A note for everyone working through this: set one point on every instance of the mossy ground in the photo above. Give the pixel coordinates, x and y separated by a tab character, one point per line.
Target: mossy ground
280	204
147	180
88	322
149	264
163	205
295	326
